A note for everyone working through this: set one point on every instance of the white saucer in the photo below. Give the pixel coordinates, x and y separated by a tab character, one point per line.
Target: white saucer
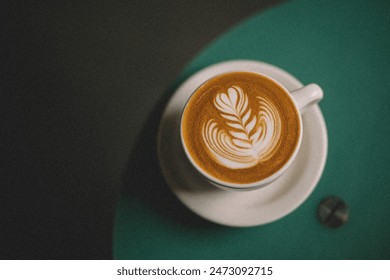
251	208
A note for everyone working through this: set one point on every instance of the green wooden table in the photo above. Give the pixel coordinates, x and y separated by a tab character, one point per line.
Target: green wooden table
344	46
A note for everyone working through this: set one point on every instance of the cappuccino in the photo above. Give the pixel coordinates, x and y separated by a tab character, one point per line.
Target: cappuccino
240	127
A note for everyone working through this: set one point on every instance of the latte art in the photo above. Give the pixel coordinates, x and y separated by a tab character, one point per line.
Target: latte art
250	139
240	128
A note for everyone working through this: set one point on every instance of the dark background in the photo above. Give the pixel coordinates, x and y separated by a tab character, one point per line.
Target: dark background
77	83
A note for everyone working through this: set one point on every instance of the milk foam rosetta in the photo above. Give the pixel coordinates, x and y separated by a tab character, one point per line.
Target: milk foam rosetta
240	128
252	134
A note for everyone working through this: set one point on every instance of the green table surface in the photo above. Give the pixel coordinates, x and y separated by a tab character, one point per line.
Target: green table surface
344	47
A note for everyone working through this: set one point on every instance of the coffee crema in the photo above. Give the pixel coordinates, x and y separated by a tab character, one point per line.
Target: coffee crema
240	127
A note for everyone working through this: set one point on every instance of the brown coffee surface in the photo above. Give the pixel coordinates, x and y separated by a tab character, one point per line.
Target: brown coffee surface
240	127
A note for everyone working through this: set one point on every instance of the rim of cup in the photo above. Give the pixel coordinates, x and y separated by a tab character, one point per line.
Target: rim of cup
243	186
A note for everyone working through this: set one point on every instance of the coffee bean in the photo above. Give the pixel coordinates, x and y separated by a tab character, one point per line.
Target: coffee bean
333	212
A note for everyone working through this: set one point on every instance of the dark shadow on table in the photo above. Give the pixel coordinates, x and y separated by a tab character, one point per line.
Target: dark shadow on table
143	178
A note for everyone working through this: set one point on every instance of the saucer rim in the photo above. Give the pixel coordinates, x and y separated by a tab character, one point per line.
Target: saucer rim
237	65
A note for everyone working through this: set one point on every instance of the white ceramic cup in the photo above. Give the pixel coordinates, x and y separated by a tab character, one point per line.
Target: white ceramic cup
302	99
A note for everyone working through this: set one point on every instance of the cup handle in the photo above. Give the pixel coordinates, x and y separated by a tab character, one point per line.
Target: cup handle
306	96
